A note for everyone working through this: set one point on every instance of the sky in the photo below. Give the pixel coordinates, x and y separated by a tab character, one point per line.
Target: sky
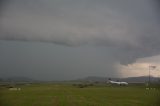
70	39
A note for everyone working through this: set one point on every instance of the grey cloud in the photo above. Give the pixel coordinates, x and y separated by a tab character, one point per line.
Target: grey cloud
130	27
49	61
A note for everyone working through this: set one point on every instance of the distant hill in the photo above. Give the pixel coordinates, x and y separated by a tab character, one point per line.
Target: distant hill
1	79
19	79
140	79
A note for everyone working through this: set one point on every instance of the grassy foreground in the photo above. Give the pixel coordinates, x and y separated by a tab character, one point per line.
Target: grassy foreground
68	95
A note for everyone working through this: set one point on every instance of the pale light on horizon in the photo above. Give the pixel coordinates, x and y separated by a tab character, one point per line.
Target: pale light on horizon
141	67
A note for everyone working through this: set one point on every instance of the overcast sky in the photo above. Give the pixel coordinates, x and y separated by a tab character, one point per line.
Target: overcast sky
69	39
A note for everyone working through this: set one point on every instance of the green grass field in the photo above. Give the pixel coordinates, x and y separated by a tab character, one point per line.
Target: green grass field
68	95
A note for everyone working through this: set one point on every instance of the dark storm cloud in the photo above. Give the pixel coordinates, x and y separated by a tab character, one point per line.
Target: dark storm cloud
129	27
2	4
54	62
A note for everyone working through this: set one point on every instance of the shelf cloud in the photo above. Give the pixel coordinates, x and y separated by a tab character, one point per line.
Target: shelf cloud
130	28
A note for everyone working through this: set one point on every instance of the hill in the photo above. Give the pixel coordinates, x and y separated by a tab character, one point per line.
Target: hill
140	79
18	79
